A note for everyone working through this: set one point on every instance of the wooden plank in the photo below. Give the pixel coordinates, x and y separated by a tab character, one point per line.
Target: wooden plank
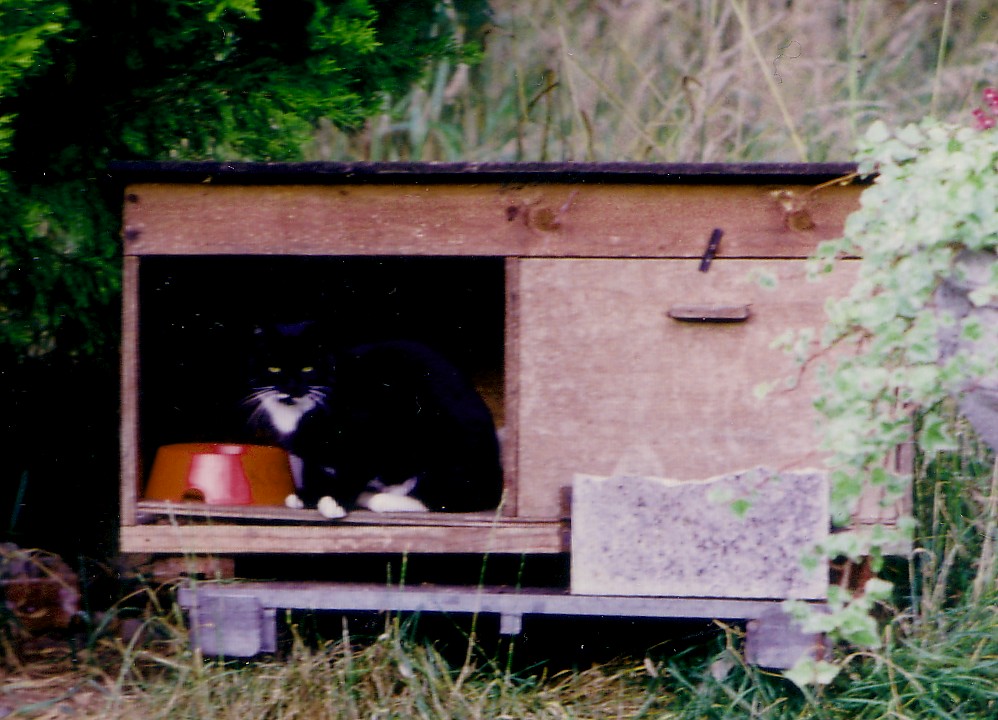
275	513
541	220
213	539
401	172
609	383
509	438
130	446
484	599
874	506
168	569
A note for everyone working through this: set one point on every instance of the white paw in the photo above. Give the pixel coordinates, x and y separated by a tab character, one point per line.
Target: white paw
389	502
330	509
294	502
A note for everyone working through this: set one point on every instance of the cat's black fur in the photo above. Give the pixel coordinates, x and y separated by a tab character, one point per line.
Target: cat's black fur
391	417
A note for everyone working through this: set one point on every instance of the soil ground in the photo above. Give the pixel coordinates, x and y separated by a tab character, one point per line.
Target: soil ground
45	683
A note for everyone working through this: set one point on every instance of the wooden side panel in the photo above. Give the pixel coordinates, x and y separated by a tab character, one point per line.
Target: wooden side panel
488	219
610	383
130	459
509	432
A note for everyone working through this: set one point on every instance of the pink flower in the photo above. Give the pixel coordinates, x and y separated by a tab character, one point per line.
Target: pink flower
983	119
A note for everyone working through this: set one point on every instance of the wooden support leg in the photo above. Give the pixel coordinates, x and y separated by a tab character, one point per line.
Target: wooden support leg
232	626
510	624
774	640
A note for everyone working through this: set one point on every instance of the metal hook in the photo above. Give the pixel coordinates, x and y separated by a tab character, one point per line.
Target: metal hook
711	251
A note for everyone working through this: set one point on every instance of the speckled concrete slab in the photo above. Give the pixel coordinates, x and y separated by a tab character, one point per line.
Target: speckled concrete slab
739	535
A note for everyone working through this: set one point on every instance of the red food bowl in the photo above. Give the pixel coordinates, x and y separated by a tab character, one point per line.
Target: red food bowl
220	474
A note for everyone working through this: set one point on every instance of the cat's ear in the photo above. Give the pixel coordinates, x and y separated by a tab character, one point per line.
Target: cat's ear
261	336
297	329
284	329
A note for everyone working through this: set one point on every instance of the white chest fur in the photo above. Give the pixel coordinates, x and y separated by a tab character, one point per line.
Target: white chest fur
284	416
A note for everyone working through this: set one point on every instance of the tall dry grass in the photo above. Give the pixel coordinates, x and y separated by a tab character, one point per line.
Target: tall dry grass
688	81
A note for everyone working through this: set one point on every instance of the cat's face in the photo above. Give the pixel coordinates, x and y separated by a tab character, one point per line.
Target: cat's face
289	377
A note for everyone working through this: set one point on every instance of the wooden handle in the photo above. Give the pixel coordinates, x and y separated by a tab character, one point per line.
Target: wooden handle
710	313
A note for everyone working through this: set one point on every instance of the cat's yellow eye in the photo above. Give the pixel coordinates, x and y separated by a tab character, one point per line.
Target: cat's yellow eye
273	370
307	369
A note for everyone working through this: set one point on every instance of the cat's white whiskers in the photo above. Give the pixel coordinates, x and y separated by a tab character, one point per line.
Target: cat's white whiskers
318	394
258	394
259	418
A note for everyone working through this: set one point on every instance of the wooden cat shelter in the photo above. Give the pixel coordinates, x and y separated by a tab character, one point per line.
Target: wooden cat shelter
611	314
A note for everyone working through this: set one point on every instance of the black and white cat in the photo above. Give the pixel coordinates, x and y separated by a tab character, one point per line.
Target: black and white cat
388	426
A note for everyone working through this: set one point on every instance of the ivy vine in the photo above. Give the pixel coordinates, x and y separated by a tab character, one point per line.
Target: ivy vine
917	334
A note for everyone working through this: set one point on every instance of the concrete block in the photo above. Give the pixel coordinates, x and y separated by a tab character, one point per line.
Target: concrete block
644	536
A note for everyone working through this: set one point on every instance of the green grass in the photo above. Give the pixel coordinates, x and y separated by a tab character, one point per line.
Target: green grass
942	667
940	658
948	669
391	675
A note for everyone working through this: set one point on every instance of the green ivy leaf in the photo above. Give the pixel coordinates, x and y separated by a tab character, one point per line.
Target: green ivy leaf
877	133
808	672
934	435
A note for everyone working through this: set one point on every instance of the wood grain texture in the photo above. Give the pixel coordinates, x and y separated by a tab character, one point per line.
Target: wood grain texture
610	384
462	598
159	509
510	434
541	220
129	444
710	313
225	539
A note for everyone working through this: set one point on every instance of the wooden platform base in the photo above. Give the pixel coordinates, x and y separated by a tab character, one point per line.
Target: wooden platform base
239	619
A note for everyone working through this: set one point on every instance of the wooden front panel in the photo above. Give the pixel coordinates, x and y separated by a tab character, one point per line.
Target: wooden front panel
609	382
545	220
446	535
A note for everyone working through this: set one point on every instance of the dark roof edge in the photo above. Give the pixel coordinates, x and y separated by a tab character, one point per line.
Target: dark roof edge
320	173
